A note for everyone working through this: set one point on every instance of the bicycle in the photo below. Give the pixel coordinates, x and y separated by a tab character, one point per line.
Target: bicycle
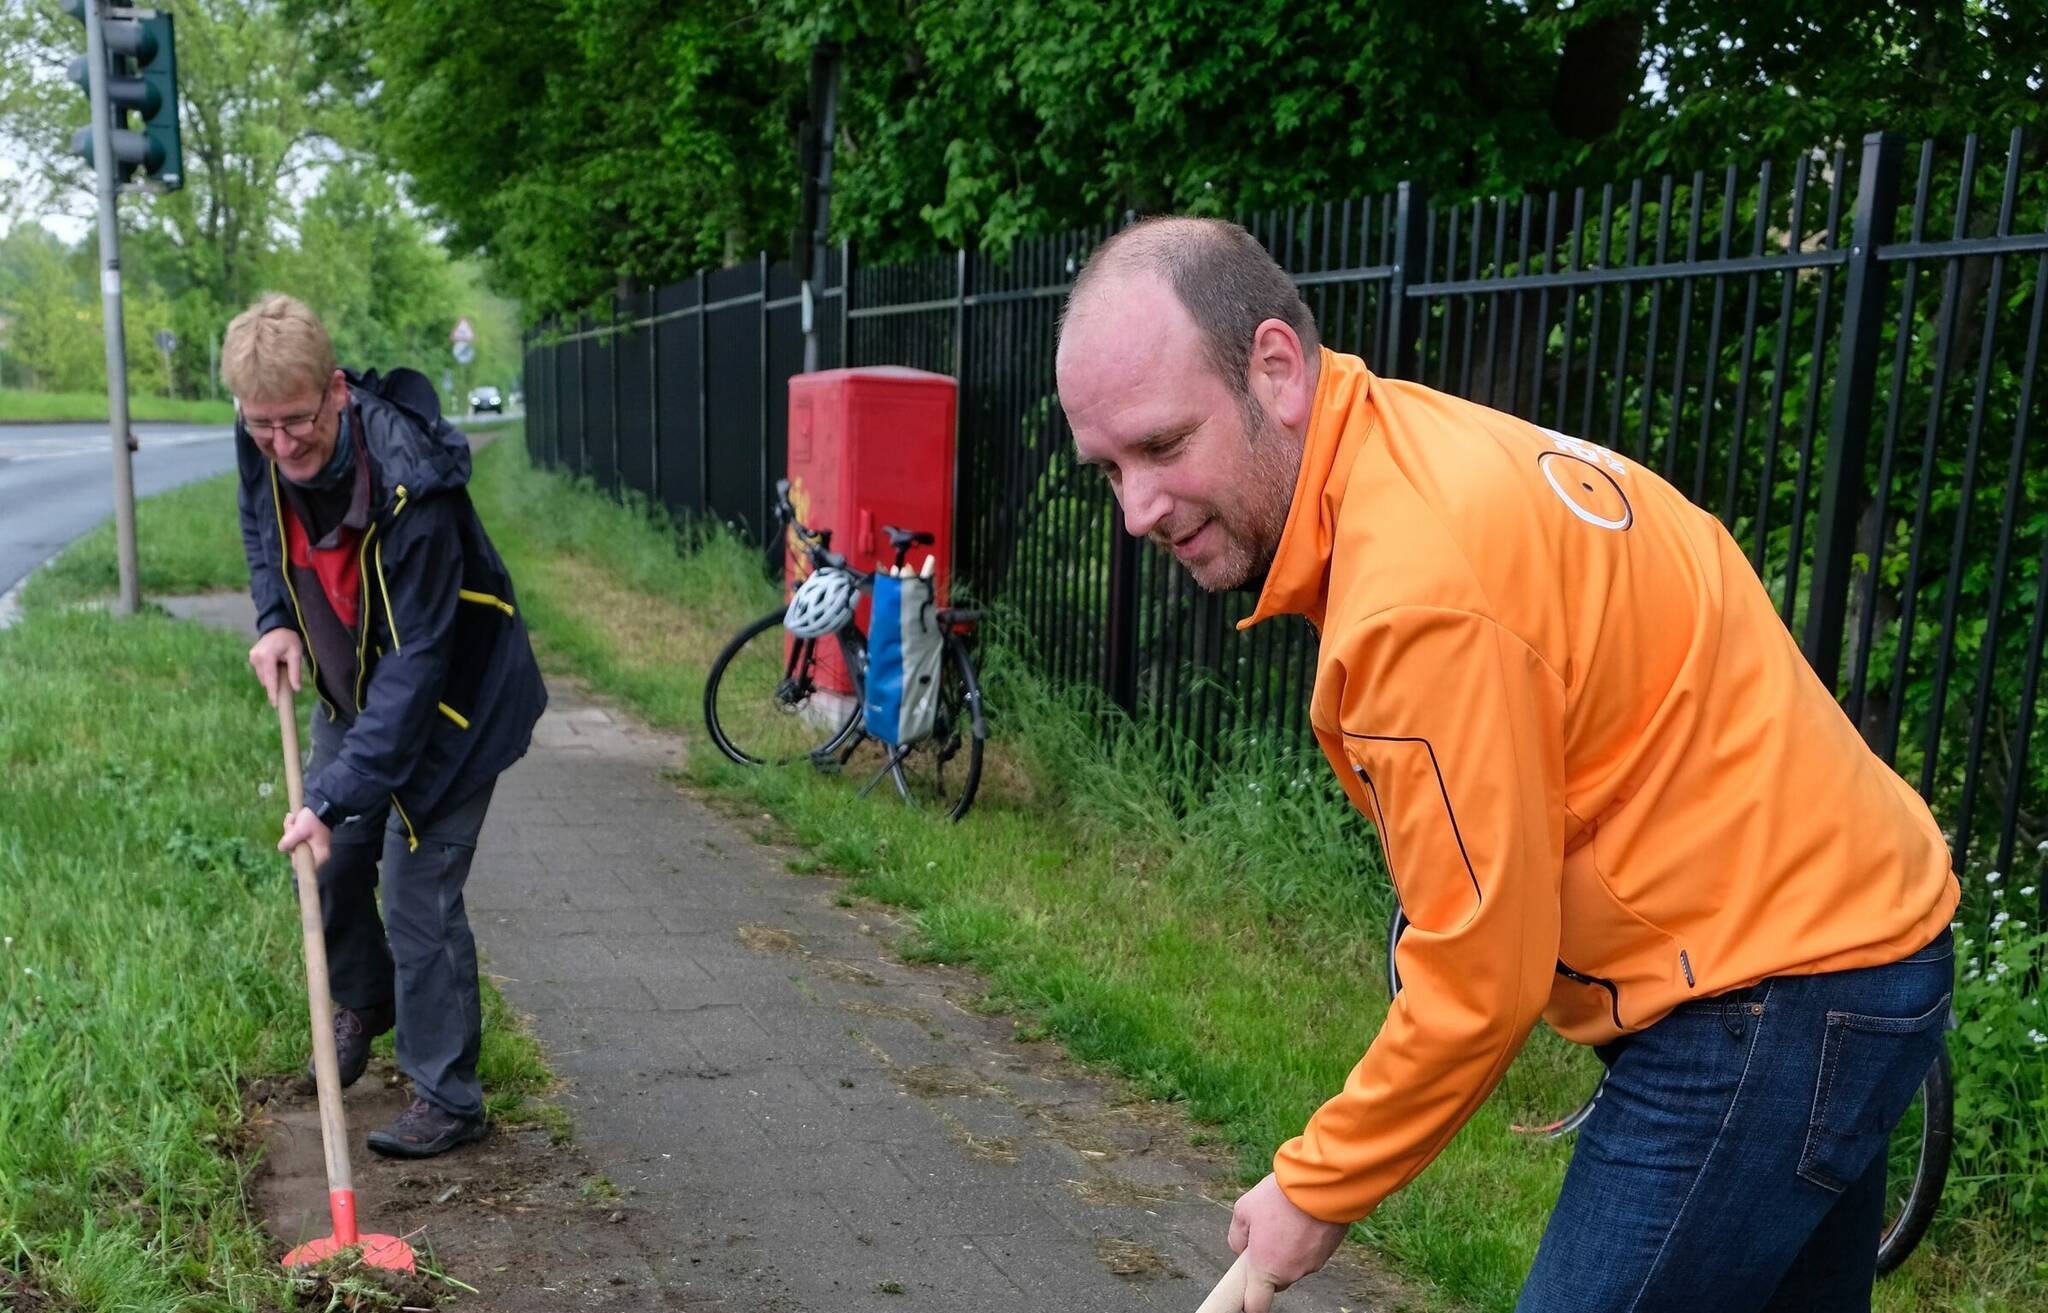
1916	1160
774	698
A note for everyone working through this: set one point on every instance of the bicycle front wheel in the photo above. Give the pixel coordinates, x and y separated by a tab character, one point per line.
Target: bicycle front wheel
943	771
1916	1165
771	699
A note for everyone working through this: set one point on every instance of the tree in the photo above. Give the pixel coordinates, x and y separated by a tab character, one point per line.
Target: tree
278	193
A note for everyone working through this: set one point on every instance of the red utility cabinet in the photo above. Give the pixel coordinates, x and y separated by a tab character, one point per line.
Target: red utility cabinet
873	447
869	447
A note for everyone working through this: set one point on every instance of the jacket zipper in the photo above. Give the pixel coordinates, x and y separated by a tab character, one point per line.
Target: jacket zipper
284	569
1613	994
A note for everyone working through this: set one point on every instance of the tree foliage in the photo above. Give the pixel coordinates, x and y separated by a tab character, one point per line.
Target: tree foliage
279	195
576	144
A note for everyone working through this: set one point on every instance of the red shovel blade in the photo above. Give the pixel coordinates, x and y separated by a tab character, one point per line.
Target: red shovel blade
384	1251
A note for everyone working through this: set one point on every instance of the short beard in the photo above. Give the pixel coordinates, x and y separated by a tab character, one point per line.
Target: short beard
1275	465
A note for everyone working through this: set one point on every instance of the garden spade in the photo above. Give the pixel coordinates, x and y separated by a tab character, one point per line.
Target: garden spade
382	1251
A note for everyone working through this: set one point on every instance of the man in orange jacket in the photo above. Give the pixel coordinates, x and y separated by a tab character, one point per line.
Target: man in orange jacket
1609	791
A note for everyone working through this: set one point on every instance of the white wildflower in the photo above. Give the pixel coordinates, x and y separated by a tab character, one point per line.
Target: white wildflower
1993	878
2027	892
2037	1037
265	789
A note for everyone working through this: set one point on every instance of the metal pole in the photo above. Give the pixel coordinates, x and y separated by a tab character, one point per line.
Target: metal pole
1877	203
130	599
703	397
1411	212
846	304
825	87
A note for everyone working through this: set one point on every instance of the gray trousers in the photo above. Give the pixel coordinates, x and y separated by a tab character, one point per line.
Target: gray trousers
418	961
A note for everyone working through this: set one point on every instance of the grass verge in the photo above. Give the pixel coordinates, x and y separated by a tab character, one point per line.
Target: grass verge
149	946
1215	938
60	407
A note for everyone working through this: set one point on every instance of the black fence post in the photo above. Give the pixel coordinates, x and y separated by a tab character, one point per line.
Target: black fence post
846	303
703	398
582	396
960	356
653	404
1411	217
1877	203
1120	655
611	343
761	492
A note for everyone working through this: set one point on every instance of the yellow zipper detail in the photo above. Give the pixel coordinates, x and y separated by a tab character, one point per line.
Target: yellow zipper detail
486	599
390	621
454	715
363	619
412	840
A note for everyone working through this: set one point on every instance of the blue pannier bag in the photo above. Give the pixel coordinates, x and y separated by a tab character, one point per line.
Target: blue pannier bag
905	647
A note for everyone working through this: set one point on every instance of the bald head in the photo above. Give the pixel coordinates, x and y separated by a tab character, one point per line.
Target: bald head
1187	369
1222	277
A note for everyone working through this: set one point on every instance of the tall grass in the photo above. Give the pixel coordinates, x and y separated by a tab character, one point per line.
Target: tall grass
149	947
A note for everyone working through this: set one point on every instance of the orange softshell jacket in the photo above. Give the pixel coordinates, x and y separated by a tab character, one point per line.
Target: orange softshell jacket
1604	778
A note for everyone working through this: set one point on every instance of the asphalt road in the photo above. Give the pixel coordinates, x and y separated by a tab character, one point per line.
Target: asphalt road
57	481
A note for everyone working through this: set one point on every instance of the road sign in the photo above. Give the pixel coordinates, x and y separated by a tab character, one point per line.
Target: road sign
462	332
166	340
465	352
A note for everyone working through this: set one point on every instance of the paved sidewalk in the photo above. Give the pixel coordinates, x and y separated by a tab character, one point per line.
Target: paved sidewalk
807	1123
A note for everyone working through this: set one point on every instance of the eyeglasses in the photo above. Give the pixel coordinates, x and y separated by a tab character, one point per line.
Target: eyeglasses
297	426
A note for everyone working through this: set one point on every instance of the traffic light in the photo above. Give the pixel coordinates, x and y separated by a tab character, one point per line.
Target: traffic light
142	79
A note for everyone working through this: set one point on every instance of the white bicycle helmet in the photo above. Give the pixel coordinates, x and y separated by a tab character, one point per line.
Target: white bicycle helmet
822	603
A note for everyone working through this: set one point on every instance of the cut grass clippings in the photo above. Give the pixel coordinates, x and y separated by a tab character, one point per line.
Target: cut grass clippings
1213	936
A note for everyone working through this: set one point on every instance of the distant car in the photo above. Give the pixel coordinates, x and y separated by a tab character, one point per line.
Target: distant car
483	399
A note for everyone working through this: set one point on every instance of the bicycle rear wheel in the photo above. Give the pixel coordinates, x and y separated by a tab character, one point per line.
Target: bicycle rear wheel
943	771
1916	1165
770	700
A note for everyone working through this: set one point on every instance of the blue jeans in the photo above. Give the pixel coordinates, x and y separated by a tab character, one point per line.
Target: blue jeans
1735	1162
418	960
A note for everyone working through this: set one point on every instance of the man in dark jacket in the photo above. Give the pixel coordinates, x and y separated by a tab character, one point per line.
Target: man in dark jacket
367	562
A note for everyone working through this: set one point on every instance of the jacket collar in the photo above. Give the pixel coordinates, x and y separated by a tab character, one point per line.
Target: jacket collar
1338	426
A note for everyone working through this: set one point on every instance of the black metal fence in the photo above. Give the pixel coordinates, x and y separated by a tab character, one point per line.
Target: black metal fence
1836	354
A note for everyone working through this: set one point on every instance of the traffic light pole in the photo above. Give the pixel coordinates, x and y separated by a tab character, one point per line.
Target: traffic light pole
110	309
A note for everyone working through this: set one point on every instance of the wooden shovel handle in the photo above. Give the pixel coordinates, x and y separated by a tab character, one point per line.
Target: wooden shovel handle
1228	1296
326	1070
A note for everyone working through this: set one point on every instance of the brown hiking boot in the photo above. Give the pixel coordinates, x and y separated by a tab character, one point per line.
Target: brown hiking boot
353	1031
424	1130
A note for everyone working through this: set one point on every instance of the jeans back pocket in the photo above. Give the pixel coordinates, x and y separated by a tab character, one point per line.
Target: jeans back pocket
1869	1069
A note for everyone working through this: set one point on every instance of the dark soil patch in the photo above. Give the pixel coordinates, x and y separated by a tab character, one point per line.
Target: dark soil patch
522	1220
20	1295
